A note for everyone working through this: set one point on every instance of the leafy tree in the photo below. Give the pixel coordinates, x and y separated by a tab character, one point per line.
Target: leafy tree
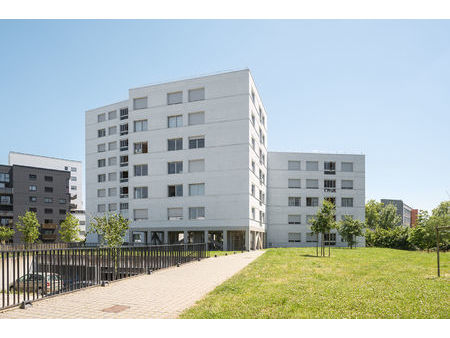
111	228
373	211
423	236
324	221
388	217
396	238
6	234
69	229
29	226
440	217
349	229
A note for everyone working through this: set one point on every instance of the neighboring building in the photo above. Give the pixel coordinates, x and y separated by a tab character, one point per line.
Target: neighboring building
297	185
185	161
414	215
40	190
76	179
403	210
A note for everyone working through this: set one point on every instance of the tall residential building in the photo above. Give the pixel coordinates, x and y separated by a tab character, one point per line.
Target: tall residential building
403	210
297	185
40	190
76	179
185	161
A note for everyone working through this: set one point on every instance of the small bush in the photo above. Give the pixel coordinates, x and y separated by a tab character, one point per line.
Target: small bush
396	238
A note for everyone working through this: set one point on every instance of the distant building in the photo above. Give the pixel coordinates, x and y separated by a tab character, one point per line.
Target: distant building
42	191
403	210
414	214
76	179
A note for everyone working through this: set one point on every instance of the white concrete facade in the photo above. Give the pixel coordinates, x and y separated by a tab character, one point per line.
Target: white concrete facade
76	178
289	209
216	117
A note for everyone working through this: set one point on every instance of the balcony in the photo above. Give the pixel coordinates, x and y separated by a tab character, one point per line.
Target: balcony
49	237
123	195
7	213
6	190
329	172
51	226
329	189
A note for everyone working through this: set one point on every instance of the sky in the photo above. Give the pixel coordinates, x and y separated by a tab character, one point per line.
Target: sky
380	88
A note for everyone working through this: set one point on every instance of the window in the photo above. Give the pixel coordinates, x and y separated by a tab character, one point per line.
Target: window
329	185
253	143
123	192
140	192
347	202
47	221
347	166
123	145
32	177
101	132
140	125
175	190
141	170
112	146
253	190
73	178
196	118
123	206
196	166
311	237
62	201
197	213
73	169
48	211
140	214
294	237
329	239
112	130
101	178
293	183
5	199
196	142
124	129
197	189
253	166
101	192
73	187
312	165
123	113
101	117
112	192
253	213
294	201
112	115
101	147
174	213
253	119
329	168
112	206
175	121
4	177
112	161
312	184
253	96
101	163
32	209
31	198
196	94
175	98
112	177
140	103
101	207
48	200
347	184
175	144
175	167
48	178
48	189
294	219
312	201
123	160
124	176
141	148
332	200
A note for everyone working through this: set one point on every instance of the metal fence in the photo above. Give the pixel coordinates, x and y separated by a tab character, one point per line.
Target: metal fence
32	274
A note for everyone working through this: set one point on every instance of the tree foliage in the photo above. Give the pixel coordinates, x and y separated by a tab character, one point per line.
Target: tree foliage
324	221
396	238
6	233
29	226
111	228
388	217
349	229
373	211
69	229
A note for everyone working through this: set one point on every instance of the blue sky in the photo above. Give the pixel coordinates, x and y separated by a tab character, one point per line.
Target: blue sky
381	88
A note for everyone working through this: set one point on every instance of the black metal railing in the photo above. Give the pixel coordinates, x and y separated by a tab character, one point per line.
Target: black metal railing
32	274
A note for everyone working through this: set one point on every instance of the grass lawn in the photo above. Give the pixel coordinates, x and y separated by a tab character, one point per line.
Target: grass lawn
358	283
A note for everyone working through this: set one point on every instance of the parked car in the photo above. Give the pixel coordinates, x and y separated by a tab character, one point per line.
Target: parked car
39	282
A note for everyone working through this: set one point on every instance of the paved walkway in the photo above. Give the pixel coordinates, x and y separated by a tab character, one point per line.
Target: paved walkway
164	294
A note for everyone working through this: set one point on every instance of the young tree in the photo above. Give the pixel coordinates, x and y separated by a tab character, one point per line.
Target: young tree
373	211
422	236
69	229
29	226
324	221
349	229
110	228
388	217
6	234
440	217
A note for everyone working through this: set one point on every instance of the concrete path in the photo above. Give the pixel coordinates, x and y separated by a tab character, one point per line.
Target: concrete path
164	294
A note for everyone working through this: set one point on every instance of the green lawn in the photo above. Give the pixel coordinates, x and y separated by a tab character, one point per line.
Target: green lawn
358	283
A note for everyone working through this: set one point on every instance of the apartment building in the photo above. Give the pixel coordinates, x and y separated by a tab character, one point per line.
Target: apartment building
403	210
40	190
298	183
76	179
185	161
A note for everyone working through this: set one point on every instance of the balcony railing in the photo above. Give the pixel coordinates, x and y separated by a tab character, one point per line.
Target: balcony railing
329	189
49	226
6	190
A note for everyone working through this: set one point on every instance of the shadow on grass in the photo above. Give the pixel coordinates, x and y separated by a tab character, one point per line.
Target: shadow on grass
314	256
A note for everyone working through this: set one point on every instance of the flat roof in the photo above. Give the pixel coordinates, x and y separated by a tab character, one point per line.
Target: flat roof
54	158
